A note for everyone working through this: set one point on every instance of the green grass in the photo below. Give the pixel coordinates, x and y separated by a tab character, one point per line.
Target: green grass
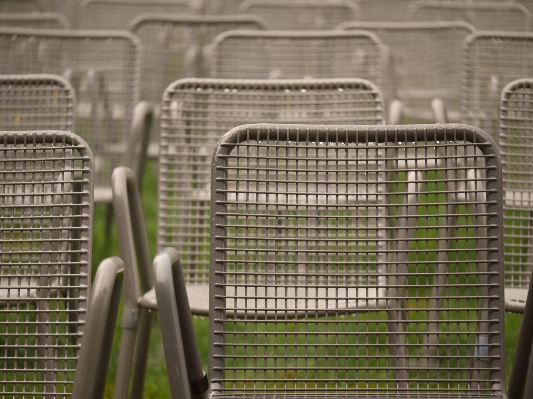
156	385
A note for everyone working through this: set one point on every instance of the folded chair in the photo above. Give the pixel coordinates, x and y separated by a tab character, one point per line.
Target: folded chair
298	244
302	14
52	329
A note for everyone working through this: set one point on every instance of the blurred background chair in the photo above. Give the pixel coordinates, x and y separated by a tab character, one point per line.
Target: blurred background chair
444	275
495	16
42	20
175	47
302	14
20	6
384	10
515	140
425	63
46	181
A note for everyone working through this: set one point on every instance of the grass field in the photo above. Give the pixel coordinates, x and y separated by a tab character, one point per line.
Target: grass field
156	385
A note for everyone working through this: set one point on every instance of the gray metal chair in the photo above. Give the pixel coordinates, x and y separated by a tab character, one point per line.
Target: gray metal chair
302	14
20	6
196	113
440	331
299	54
515	139
42	20
103	69
497	16
46	209
118	14
418	72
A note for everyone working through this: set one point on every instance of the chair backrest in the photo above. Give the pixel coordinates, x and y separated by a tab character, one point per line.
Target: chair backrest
43	20
45	246
297	55
195	115
491	60
384	10
103	69
30	102
302	14
20	6
297	241
507	16
118	14
425	62
175	47
515	140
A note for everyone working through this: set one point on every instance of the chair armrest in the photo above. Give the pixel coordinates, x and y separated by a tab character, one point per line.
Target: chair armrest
140	131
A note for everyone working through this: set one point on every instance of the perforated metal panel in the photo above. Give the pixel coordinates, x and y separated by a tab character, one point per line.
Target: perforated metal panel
103	69
296	55
45	250
118	14
48	20
302	14
196	113
20	6
516	139
491	60
425	63
307	221
506	16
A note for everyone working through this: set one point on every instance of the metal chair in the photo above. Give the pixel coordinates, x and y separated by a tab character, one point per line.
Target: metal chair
178	46
47	337
20	6
289	266
496	16
103	69
119	14
302	14
515	138
384	10
418	73
43	20
299	54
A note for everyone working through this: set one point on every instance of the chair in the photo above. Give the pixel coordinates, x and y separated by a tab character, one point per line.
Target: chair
419	75
289	267
221	7
178	46
17	6
43	20
495	16
302	14
515	137
47	336
103	69
384	10
299	54
118	14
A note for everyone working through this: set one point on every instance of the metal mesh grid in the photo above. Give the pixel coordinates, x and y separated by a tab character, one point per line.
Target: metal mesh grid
505	16
221	7
175	47
103	69
45	250
296	55
30	102
20	6
299	216
302	14
425	62
118	14
196	113
516	143
491	60
384	10
48	20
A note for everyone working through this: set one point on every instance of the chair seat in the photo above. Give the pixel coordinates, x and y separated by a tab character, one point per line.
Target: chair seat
518	199
103	195
515	299
198	298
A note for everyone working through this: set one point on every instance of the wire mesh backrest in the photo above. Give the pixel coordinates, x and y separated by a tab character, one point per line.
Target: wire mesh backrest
425	62
505	16
307	221
516	144
30	102
302	14
384	10
196	113
491	60
103	69
175	47
20	6
45	249
296	55
118	14
48	20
